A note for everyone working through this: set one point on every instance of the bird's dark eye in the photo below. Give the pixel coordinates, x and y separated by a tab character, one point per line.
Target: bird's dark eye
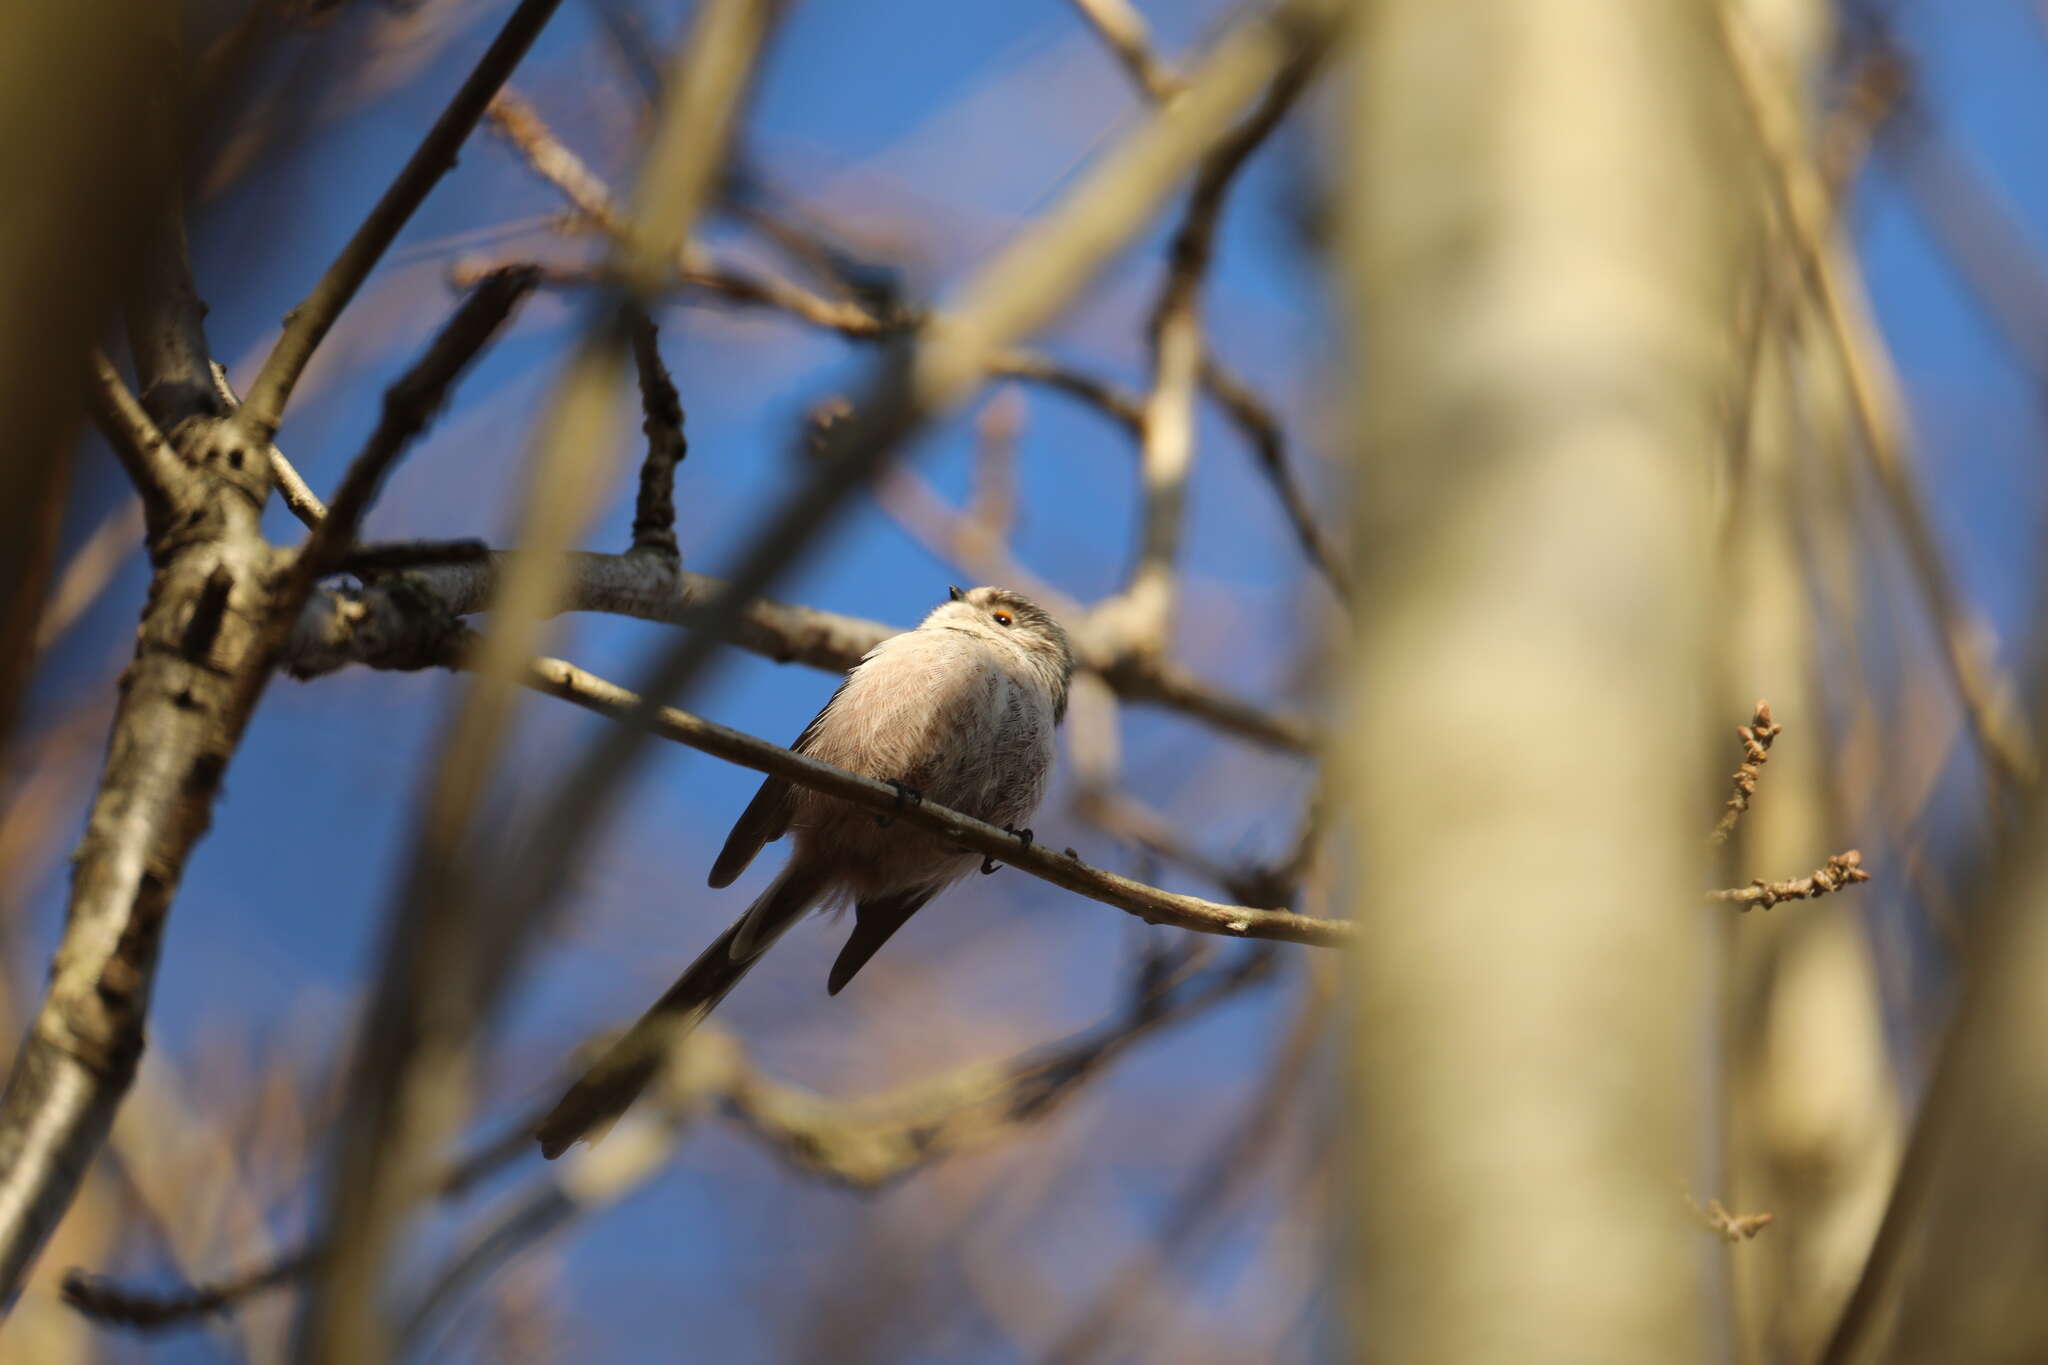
1002	618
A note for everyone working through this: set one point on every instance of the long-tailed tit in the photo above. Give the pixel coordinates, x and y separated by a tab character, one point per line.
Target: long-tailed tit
960	711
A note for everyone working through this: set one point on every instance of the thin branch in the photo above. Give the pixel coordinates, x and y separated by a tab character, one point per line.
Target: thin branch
1874	402
307	325
1123	31
654	511
1729	1227
1756	751
1842	869
1249	413
1261	429
564	680
862	1144
520	124
458	926
367	559
1021	290
108	1301
405	625
409	405
299	497
159	476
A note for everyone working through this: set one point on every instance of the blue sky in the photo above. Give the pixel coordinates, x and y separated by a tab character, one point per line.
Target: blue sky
935	128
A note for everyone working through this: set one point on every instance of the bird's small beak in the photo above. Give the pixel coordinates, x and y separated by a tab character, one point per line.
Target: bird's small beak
954	594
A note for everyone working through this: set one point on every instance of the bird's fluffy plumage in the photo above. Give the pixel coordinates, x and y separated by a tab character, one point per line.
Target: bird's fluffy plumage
961	711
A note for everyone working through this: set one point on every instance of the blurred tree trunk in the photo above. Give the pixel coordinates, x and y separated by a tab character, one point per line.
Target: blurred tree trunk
74	81
1812	1116
1546	208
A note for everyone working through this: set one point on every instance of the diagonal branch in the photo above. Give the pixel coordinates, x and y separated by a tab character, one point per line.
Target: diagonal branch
654	511
1805	206
861	1144
564	680
161	479
404	625
307	325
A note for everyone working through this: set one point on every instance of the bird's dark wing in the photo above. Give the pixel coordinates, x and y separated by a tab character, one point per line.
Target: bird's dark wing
767	816
874	921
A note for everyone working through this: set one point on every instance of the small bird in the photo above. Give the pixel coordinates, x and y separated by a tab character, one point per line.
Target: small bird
960	711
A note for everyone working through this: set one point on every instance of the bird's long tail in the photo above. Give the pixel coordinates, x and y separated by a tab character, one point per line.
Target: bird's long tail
616	1079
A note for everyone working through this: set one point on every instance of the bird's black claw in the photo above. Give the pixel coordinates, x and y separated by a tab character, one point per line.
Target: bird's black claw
906	797
989	864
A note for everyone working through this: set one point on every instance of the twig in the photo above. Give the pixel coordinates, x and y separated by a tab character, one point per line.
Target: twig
1022	289
654	511
404	625
1842	869
307	325
367	559
456	933
1874	402
152	466
1729	1227
564	680
1249	413
299	497
1262	431
1756	751
409	405
521	125
1124	33
861	1144
106	1300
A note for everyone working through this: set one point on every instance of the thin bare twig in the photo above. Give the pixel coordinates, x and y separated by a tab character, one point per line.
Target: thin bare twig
1756	751
152	466
654	511
307	325
861	1144
1021	290
565	680
1729	1227
1986	694
1124	32
1248	412
405	625
409	405
444	965
1841	869
299	497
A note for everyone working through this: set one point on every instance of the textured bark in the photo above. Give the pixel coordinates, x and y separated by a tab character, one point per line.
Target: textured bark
1543	216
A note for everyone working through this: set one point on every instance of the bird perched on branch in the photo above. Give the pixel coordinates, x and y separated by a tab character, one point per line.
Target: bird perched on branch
960	711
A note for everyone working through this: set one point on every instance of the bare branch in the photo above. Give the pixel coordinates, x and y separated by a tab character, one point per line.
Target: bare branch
307	325
1756	751
1124	33
159	476
1154	906
863	1144
1023	288
1841	869
299	497
654	512
405	624
444	964
1806	209
409	405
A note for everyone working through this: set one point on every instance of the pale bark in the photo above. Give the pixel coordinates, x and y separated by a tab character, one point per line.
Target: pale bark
1544	208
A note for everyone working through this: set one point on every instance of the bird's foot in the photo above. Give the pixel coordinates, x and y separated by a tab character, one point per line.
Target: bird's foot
906	797
989	864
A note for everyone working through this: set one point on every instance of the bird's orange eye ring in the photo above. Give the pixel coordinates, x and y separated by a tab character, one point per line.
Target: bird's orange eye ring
1002	618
